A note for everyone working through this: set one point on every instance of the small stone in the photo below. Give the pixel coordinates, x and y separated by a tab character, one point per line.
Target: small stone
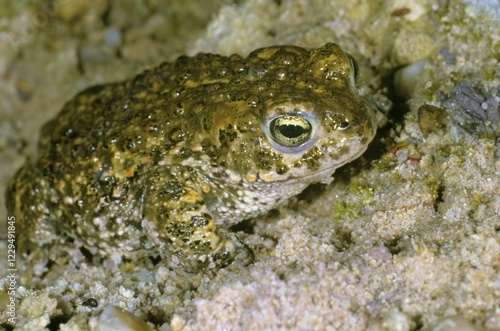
493	323
397	321
127	293
453	323
91	302
410	47
431	119
69	10
177	323
112	36
114	319
473	111
407	78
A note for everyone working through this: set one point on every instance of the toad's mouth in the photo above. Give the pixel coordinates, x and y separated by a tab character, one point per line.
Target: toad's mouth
298	175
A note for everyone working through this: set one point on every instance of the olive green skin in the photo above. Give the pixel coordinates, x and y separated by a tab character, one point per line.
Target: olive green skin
165	162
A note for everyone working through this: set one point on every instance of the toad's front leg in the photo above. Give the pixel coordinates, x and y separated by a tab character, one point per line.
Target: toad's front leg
178	220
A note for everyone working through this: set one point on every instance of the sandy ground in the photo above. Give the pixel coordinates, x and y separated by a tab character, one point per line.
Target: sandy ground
406	238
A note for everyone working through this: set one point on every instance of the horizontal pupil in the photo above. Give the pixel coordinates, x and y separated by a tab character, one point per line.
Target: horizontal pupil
291	131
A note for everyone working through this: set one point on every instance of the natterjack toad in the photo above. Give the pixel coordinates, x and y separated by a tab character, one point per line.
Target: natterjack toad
166	162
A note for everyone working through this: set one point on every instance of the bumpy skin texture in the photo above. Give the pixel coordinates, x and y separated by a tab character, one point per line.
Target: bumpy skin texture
165	162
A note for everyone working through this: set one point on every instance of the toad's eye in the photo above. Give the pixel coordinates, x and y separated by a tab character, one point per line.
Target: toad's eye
290	130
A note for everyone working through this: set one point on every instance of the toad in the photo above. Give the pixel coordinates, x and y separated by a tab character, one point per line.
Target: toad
166	162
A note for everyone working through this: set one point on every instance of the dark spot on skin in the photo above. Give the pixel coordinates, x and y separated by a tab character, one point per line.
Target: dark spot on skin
282	169
199	221
226	137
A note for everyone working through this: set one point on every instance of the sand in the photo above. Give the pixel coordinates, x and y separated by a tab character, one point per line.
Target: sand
405	238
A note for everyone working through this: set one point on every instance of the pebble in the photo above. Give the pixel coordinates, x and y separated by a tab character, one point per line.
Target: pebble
115	319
